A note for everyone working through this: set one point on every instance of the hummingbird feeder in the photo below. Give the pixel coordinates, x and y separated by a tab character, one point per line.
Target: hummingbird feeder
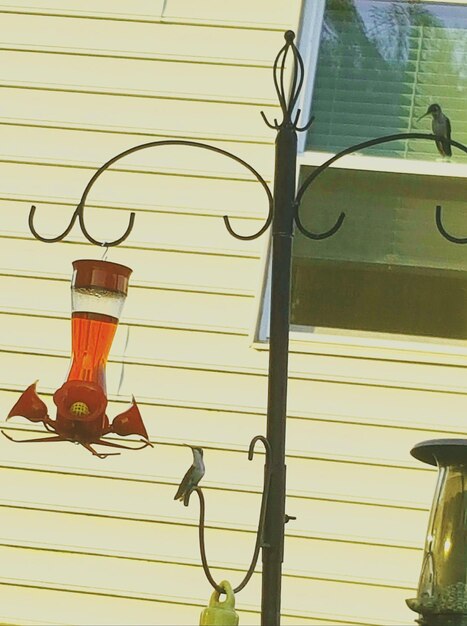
98	292
442	590
220	613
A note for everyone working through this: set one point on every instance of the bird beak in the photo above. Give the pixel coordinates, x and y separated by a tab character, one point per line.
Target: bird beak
422	116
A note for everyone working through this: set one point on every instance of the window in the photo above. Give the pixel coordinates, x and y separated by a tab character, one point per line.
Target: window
380	64
387	269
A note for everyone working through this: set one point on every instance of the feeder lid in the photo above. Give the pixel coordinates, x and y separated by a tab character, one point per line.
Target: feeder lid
441	451
103	274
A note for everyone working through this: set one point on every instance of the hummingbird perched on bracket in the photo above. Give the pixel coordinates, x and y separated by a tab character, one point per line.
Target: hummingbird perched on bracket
191	479
441	127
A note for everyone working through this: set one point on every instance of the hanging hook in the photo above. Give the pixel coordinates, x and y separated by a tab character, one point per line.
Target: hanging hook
108	244
78	214
262	516
32	228
443	231
262	230
438	218
316	236
306	126
274	126
106	251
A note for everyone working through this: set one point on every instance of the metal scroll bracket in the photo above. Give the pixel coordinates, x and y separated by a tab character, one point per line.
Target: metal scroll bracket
356	148
259	536
78	214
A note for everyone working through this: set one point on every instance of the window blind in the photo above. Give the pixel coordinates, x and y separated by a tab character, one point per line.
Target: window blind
381	64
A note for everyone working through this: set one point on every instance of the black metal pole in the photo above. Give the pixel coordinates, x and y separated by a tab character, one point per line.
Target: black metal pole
282	227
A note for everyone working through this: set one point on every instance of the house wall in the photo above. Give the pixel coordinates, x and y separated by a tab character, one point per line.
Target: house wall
90	541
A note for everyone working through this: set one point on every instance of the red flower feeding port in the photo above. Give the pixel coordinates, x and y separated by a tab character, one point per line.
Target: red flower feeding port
98	292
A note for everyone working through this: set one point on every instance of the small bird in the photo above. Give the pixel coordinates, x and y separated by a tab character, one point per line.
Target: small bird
191	479
441	127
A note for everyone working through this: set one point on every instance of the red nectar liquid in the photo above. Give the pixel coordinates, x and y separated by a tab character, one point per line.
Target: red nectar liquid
91	338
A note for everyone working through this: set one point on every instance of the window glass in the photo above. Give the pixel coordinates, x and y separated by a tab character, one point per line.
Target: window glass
387	269
381	64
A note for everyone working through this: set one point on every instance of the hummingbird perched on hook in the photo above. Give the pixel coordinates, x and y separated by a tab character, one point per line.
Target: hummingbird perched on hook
191	479
441	127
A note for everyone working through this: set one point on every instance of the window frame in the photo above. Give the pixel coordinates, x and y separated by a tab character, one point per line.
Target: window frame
347	341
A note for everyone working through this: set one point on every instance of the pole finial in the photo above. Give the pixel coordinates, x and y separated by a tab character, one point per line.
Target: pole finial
288	94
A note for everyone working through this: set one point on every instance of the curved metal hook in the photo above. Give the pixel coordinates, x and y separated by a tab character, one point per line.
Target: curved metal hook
438	218
317	236
32	228
297	115
274	126
262	230
107	244
307	126
443	231
262	515
78	214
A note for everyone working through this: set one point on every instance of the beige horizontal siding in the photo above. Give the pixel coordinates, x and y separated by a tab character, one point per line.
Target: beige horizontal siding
139	77
175	308
90	8
137	38
60	605
45	145
277	14
94	608
138	344
93	490
155	542
49	215
91	541
150	187
99	110
190	383
139	347
404	349
261	14
151	230
159	580
343	477
198	270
